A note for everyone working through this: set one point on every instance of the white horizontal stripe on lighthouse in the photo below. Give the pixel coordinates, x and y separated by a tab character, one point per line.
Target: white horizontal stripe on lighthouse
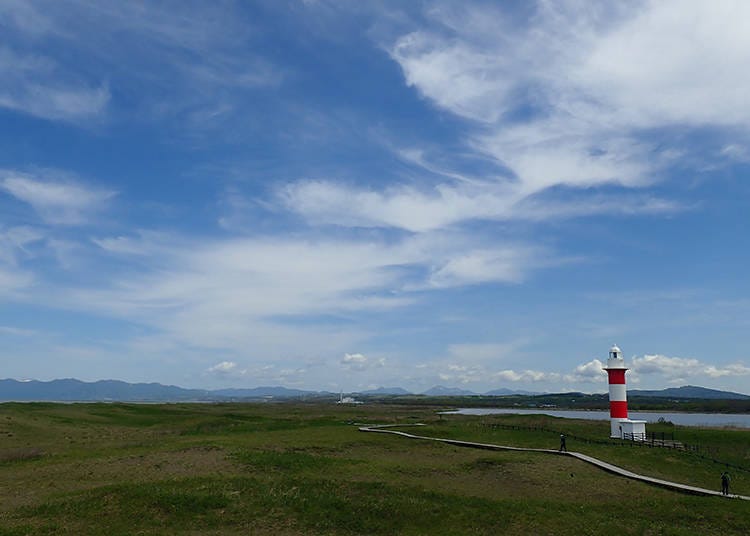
617	392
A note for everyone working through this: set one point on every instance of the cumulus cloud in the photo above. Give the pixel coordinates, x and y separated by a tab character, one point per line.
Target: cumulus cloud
361	362
225	367
526	376
678	369
591	372
661	364
460	373
735	369
479	373
278	373
671	369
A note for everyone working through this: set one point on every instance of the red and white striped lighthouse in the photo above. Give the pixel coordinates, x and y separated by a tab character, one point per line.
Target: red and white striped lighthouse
618	397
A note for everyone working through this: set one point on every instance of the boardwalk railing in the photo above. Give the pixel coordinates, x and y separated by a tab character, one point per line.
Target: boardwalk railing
653	440
388	429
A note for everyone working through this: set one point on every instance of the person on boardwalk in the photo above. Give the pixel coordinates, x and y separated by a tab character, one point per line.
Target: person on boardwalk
725	483
563	448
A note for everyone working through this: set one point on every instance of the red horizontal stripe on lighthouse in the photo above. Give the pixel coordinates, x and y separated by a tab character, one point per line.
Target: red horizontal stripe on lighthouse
618	410
616	375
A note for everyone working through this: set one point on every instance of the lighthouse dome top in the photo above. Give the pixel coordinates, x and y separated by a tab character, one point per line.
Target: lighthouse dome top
615	358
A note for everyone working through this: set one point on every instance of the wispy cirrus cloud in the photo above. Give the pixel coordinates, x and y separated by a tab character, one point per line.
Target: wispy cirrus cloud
16	241
17	332
56	197
17	245
445	205
40	86
13	280
194	60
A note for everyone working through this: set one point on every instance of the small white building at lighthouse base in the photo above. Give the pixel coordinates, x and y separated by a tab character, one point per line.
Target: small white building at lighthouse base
629	429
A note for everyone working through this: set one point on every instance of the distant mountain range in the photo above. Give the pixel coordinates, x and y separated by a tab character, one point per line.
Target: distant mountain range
507	392
274	392
69	390
690	391
386	391
440	390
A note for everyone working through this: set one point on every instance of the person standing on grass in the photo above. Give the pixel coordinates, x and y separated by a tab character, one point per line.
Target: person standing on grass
725	483
563	448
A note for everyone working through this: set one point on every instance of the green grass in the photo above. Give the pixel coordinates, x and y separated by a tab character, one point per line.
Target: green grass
304	469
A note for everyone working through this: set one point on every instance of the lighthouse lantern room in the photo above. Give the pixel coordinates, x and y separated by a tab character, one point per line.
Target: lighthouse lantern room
621	426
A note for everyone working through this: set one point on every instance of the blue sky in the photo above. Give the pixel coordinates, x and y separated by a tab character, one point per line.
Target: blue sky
344	195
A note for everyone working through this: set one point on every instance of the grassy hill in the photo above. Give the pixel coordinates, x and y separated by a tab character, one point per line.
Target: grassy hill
305	469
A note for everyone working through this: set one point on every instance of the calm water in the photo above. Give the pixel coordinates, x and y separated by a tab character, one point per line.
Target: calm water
684	419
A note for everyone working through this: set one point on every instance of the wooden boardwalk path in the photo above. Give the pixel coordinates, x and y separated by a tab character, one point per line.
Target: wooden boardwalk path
385	429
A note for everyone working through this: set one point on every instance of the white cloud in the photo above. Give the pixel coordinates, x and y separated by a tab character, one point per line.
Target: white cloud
208	292
40	87
354	358
142	243
737	152
562	97
526	376
456	75
669	366
696	75
680	369
225	367
16	242
57	199
461	373
325	202
196	63
13	280
240	293
735	369
591	372
361	362
18	332
501	265
446	205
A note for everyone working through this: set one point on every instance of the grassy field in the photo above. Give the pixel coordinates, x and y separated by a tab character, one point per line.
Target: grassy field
305	469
